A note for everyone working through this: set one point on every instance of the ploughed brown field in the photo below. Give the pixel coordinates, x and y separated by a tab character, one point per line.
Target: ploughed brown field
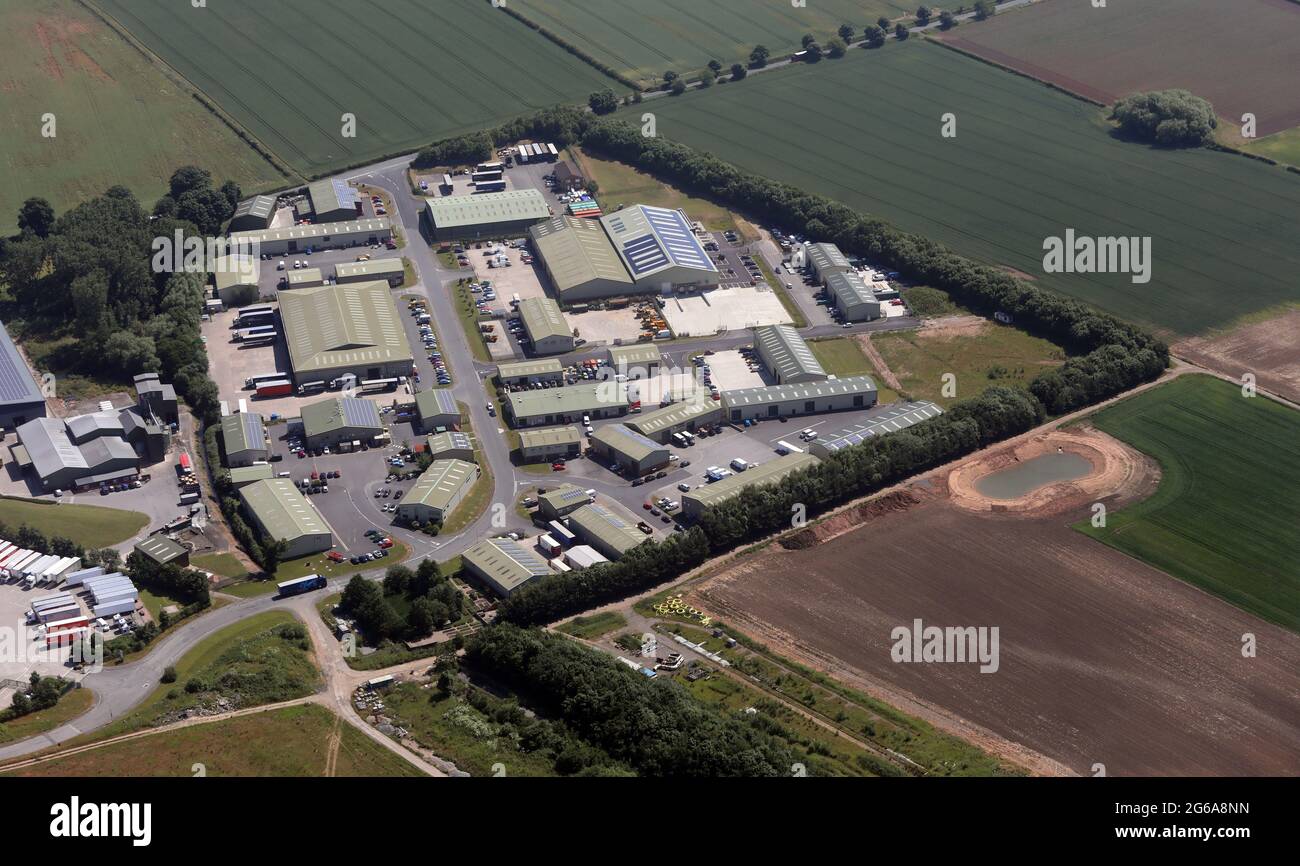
1227	52
1103	660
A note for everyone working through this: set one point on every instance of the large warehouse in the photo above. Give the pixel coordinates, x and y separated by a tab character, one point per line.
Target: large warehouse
48	449
335	420
580	259
889	419
661	424
632	452
235	278
486	216
440	489
567	405
706	495
452	445
279	510
244	437
786	355
546	326
853	296
604	530
338	329
20	398
391	271
825	259
808	398
318	236
659	249
503	564
333	201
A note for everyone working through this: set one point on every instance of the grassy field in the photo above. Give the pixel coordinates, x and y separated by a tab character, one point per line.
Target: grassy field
1028	163
931	303
1283	147
841	356
119	119
249	663
1226	517
292	742
71	705
1106	55
87	525
645	38
620	184
224	564
409	72
594	626
979	353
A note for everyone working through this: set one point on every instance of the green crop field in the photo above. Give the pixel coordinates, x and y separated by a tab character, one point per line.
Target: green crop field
1225	517
409	72
118	119
646	38
1026	164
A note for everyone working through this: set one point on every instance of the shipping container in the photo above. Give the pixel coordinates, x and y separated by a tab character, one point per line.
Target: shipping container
560	566
561	533
279	388
301	585
549	545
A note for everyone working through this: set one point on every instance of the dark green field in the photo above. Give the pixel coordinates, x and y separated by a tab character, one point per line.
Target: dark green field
1026	164
410	72
1226	516
646	38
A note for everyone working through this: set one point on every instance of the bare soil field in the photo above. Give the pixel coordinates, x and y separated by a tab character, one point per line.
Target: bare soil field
1228	53
1102	659
1269	349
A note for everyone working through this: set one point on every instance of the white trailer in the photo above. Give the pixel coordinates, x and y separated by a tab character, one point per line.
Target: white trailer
37	566
109	608
65	564
12	558
15	566
77	578
55	613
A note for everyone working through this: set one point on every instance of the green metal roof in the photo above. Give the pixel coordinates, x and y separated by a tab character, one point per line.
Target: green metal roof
650	423
234	270
340	326
564	497
530	368
641	353
314	231
597	521
436	402
513	205
578	251
568	400
765	473
509	563
631	444
282	509
306	275
452	440
249	474
161	549
441	483
549	436
243	431
787	354
331	195
542	319
376	268
340	413
798	391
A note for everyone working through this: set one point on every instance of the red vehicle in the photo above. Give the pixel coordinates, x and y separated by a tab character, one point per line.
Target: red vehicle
334	556
557	467
385	544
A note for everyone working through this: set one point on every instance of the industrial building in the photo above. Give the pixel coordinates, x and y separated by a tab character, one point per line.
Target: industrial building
234	279
527	372
335	420
317	236
580	259
253	213
584	556
332	331
306	278
661	424
452	445
503	564
485	216
604	530
825	259
549	444
807	398
46	449
562	501
567	405
634	453
156	398
659	249
333	201
21	399
786	355
638	361
436	409
161	550
440	489
706	495
279	510
545	325
391	271
241	476
853	297
567	177
889	419
244	437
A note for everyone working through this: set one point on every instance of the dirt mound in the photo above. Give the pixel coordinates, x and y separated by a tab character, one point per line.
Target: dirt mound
854	517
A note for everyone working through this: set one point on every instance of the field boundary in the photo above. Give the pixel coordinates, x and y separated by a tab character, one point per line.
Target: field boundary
176	76
577	52
1012	70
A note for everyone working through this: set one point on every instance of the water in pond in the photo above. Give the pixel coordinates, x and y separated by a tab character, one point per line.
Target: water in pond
1032	474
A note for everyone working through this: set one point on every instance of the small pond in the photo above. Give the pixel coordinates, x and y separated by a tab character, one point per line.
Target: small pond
1026	477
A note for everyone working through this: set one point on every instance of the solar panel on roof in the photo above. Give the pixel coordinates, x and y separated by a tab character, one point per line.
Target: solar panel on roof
645	254
673	231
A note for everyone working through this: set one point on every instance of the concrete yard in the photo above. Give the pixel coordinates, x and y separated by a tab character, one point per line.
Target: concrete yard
732	371
606	327
705	313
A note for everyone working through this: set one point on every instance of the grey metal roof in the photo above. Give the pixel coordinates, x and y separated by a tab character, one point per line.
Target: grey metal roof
765	473
441	483
16	382
107	449
508	562
888	419
624	440
652	239
568	400
452	440
47	444
436	402
515	205
95	423
787	354
849	289
598	522
650	423
260	206
243	431
161	549
339	413
798	391
311	231
826	258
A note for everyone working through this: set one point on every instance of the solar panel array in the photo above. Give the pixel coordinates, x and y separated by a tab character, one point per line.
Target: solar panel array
667	240
16	383
676	235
